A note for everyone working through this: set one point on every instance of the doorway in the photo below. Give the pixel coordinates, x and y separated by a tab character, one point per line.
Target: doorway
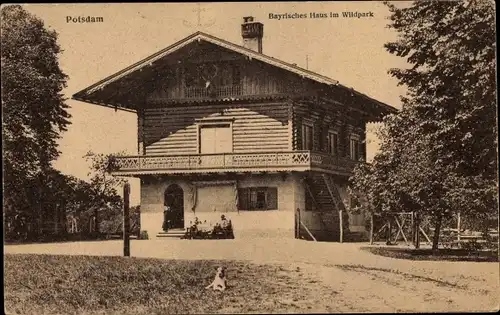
174	200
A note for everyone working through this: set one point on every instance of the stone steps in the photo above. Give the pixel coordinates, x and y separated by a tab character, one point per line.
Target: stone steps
173	233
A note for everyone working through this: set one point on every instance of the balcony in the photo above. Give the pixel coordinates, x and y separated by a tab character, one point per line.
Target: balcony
233	162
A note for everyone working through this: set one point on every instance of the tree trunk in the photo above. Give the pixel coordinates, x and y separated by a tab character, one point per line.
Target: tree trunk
96	222
437	231
389	231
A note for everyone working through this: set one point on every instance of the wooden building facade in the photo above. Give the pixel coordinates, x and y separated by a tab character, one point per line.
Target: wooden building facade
225	129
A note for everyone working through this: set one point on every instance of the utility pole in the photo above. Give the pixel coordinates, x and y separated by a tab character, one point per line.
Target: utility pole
126	220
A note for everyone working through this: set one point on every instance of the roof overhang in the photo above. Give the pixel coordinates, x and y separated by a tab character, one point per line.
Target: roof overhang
87	94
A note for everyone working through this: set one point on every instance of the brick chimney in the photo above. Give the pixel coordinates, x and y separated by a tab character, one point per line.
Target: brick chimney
252	33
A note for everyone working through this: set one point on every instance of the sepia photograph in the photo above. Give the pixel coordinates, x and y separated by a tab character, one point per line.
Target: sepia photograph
250	157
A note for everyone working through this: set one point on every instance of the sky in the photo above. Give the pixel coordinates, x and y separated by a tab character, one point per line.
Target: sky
349	50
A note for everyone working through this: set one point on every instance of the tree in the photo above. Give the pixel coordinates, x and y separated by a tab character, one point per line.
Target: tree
34	109
103	185
438	154
53	195
452	84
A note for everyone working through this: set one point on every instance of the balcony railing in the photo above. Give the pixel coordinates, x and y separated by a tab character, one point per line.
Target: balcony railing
219	91
235	162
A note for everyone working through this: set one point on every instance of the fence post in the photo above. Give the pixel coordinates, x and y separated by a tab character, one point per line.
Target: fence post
126	220
371	228
412	228
297	224
389	231
417	230
341	219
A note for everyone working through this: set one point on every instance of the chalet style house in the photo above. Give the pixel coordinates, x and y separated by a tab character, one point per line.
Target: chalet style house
226	129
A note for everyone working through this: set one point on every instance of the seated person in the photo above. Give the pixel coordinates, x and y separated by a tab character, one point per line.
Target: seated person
225	227
224	223
216	229
197	221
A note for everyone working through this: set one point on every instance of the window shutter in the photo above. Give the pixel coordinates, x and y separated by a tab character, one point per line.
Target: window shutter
236	76
343	143
272	198
361	150
252	195
323	139
243	199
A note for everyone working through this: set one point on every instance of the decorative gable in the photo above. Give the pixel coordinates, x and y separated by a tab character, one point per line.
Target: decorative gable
212	79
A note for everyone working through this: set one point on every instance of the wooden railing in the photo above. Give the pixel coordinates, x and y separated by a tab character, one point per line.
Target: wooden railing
268	161
218	91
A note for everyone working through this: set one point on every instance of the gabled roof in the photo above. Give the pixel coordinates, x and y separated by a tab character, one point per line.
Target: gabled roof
199	36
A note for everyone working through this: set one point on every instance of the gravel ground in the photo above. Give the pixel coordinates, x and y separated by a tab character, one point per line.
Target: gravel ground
356	280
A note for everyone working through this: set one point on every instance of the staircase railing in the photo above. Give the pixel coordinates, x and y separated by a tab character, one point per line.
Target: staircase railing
316	204
334	192
339	203
307	230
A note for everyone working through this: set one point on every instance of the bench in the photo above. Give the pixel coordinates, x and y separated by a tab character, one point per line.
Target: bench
209	231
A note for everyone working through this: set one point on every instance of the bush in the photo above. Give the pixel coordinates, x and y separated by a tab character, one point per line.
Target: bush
144	235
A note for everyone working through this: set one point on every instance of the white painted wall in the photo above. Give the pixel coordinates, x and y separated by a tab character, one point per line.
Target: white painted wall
220	198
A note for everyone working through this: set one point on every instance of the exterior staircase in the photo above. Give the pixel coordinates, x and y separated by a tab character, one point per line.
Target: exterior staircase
325	208
172	233
328	202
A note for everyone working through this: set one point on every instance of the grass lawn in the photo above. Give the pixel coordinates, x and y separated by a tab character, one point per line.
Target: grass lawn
48	284
429	254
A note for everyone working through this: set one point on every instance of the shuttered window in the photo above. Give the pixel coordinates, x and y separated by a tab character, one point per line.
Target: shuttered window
354	146
333	143
258	198
307	137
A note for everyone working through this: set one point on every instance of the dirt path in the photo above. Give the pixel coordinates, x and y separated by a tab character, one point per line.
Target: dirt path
333	277
363	289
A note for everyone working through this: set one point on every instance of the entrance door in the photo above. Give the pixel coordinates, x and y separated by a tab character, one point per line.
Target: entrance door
174	199
216	138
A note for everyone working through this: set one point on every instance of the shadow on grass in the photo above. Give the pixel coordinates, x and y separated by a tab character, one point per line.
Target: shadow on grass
68	239
364	269
439	255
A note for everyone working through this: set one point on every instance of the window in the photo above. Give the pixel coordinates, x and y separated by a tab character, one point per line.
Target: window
333	143
354	148
307	136
258	198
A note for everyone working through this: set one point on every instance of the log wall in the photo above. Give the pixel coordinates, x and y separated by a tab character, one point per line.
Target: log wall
260	127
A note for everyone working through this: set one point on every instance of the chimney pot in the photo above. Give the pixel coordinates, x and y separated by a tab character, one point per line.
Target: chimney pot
247	19
252	33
